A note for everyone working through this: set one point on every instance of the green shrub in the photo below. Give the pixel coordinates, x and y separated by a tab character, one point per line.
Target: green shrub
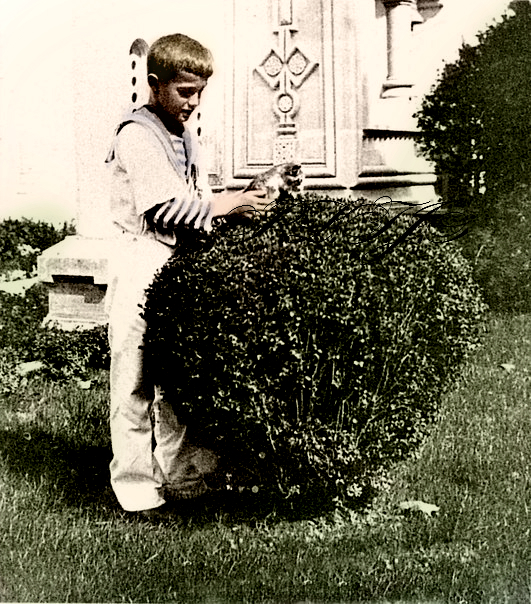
72	354
24	338
305	358
475	122
499	252
20	318
10	378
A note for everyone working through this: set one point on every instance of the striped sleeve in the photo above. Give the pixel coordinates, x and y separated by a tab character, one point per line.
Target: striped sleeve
166	217
190	208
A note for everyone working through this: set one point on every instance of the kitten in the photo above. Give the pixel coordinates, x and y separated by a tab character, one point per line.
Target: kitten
282	178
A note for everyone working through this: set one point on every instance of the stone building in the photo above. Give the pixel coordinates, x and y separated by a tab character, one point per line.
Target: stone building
332	84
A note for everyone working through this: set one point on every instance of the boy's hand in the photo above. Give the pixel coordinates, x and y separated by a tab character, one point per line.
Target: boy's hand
246	203
257	203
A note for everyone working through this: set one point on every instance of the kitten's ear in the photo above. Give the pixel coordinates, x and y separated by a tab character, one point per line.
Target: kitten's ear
291	168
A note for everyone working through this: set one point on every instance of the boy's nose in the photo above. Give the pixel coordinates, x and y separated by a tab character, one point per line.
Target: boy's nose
193	101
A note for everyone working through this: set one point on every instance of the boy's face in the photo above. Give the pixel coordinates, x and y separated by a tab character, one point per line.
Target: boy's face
180	96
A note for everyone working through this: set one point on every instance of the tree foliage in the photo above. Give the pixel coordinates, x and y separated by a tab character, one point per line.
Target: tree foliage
475	122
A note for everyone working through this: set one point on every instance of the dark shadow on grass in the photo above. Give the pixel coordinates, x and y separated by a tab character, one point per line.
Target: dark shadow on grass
253	507
76	476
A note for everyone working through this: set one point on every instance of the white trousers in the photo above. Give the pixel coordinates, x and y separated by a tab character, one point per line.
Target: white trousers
150	454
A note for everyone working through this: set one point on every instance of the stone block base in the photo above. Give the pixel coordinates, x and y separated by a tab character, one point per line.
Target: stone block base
76	273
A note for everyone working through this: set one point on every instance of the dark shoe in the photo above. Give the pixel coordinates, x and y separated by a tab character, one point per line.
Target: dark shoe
187	489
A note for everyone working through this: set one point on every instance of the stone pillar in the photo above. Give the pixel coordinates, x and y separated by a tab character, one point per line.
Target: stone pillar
401	16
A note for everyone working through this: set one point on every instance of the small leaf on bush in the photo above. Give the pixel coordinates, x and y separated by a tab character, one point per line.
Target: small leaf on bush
419	506
84	384
29	367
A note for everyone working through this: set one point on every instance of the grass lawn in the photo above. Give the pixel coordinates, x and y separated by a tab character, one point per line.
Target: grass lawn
63	537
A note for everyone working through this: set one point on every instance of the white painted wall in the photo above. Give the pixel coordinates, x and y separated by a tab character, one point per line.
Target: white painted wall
37	176
65	82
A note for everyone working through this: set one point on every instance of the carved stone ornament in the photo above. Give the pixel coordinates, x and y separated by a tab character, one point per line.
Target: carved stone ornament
285	69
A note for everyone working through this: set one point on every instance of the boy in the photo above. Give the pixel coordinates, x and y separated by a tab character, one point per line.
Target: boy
157	186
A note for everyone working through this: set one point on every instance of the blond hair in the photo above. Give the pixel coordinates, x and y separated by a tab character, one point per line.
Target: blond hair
177	52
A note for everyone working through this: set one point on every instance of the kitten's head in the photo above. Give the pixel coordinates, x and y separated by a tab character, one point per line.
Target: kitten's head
292	177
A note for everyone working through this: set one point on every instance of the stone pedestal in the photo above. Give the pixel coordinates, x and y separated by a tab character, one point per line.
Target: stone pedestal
76	273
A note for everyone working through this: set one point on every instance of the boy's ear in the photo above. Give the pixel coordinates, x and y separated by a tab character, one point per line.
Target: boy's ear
153	82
